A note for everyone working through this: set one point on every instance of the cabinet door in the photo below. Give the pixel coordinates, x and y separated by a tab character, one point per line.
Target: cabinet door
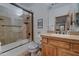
48	50
63	52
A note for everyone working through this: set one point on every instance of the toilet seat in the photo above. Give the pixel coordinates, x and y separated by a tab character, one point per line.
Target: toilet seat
32	45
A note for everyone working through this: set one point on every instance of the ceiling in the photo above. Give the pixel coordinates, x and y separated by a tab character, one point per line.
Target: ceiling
27	4
49	6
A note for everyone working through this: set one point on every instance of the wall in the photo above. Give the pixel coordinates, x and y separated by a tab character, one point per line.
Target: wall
60	10
48	15
40	11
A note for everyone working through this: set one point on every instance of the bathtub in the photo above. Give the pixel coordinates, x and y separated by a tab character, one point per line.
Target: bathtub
13	48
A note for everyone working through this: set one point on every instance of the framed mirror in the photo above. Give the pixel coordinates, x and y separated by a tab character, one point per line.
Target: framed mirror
77	19
11	23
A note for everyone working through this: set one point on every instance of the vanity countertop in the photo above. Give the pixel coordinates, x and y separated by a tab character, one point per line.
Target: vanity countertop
73	37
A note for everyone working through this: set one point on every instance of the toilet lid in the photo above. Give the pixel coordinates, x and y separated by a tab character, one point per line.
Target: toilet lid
32	45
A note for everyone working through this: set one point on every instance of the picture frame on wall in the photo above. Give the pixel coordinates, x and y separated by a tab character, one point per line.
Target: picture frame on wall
40	23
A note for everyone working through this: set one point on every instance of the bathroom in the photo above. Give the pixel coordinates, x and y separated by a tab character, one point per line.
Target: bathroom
21	25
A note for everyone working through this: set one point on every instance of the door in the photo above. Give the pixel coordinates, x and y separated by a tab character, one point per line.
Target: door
63	52
48	50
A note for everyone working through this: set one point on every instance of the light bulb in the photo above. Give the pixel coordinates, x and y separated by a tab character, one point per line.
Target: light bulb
19	12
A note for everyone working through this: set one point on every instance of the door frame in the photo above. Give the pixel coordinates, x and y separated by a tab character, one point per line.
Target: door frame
15	4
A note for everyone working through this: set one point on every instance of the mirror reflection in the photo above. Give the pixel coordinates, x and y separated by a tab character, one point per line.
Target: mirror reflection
12	24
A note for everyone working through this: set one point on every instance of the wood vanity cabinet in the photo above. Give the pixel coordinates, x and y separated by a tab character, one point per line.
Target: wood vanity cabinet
64	52
48	50
57	46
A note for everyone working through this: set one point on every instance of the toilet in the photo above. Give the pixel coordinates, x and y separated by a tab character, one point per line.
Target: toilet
33	47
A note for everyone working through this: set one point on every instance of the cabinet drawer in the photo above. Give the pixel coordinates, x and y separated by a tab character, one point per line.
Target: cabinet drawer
44	40
75	47
59	43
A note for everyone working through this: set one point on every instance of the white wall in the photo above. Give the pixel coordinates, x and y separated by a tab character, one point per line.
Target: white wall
60	10
40	11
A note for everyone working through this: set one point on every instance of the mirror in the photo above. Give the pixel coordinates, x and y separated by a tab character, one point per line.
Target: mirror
11	23
60	26
77	19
